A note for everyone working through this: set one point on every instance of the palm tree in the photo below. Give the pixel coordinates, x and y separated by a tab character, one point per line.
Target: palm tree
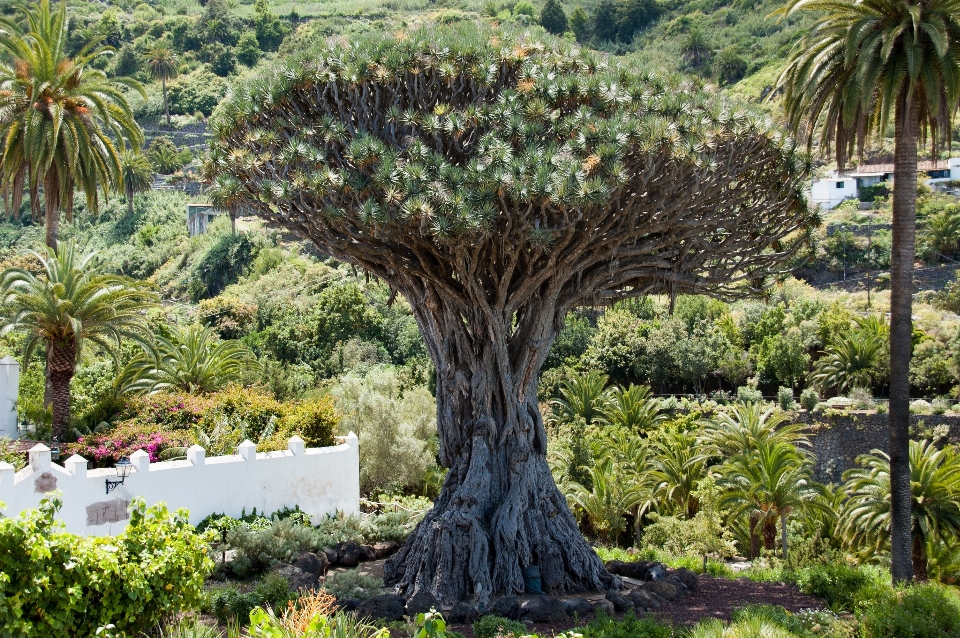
848	362
675	470
942	236
743	426
935	501
581	396
192	361
695	50
136	175
68	306
635	409
59	116
769	484
607	501
163	66
862	61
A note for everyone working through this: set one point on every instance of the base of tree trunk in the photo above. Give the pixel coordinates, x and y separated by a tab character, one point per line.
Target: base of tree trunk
482	532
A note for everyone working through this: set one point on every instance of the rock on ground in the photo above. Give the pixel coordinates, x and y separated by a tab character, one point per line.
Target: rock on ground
643	599
578	607
543	609
506	607
422	602
604	606
620	602
311	563
348	604
297	578
348	553
462	614
687	577
388	607
385	548
662	589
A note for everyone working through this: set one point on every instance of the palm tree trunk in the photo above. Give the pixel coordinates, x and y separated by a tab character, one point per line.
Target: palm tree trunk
51	208
919	558
769	534
754	536
783	533
61	364
129	201
901	331
166	105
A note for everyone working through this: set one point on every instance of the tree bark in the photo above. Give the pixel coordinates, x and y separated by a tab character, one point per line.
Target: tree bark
901	332
919	556
166	105
130	202
754	536
61	364
499	510
769	534
783	533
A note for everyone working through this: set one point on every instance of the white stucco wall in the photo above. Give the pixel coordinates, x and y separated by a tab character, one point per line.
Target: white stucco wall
9	389
320	480
826	194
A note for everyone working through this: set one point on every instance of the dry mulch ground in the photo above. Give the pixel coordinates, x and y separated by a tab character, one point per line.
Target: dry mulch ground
714	598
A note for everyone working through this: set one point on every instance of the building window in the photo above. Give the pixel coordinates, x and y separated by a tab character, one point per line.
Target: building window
938	174
840	184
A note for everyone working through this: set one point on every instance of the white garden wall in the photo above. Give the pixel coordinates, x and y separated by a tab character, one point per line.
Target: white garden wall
320	480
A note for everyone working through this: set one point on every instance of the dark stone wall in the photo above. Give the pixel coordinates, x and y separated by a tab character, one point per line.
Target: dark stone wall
838	439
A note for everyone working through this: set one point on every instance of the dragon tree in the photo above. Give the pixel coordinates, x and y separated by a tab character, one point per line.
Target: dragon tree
496	181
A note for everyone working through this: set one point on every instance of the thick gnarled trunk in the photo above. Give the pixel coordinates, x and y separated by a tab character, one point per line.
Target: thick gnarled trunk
499	510
901	332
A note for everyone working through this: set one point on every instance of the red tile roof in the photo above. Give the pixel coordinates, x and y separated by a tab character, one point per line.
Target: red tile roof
881	169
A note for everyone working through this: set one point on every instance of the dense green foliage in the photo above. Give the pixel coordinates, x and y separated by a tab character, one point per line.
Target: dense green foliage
56	583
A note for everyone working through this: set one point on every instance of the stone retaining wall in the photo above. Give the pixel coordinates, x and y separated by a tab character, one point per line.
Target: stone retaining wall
838	439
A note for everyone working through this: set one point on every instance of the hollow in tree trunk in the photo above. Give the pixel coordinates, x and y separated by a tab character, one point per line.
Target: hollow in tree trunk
901	332
499	510
61	364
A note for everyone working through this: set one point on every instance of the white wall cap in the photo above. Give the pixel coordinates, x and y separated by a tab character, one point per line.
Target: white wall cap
296	445
247	450
196	454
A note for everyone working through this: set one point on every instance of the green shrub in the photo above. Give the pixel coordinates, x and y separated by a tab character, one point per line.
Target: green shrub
352	584
629	627
806	623
494	626
921	611
10	453
231	603
315	420
60	584
809	399
841	586
224	262
785	398
746	394
259	549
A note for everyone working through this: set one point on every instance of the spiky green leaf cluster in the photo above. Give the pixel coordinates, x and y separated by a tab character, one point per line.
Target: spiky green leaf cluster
457	135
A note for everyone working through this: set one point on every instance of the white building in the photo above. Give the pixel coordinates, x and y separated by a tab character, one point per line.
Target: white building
9	389
833	189
199	216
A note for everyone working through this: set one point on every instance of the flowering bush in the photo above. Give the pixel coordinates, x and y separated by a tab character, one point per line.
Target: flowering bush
103	450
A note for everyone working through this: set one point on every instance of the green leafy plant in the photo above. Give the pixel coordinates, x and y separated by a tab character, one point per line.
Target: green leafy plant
352	584
232	603
494	626
57	584
919	611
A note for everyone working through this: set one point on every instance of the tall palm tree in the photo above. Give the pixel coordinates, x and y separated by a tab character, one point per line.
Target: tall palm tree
69	305
769	484
607	501
935	501
136	176
192	360
60	117
861	62
163	66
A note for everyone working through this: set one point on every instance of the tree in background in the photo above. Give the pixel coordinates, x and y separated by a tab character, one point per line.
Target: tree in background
580	24
729	66
71	304
695	50
163	63
270	30
552	17
605	21
861	63
495	202
136	175
248	49
60	117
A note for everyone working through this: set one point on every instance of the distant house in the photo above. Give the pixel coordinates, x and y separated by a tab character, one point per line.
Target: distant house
833	189
199	216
